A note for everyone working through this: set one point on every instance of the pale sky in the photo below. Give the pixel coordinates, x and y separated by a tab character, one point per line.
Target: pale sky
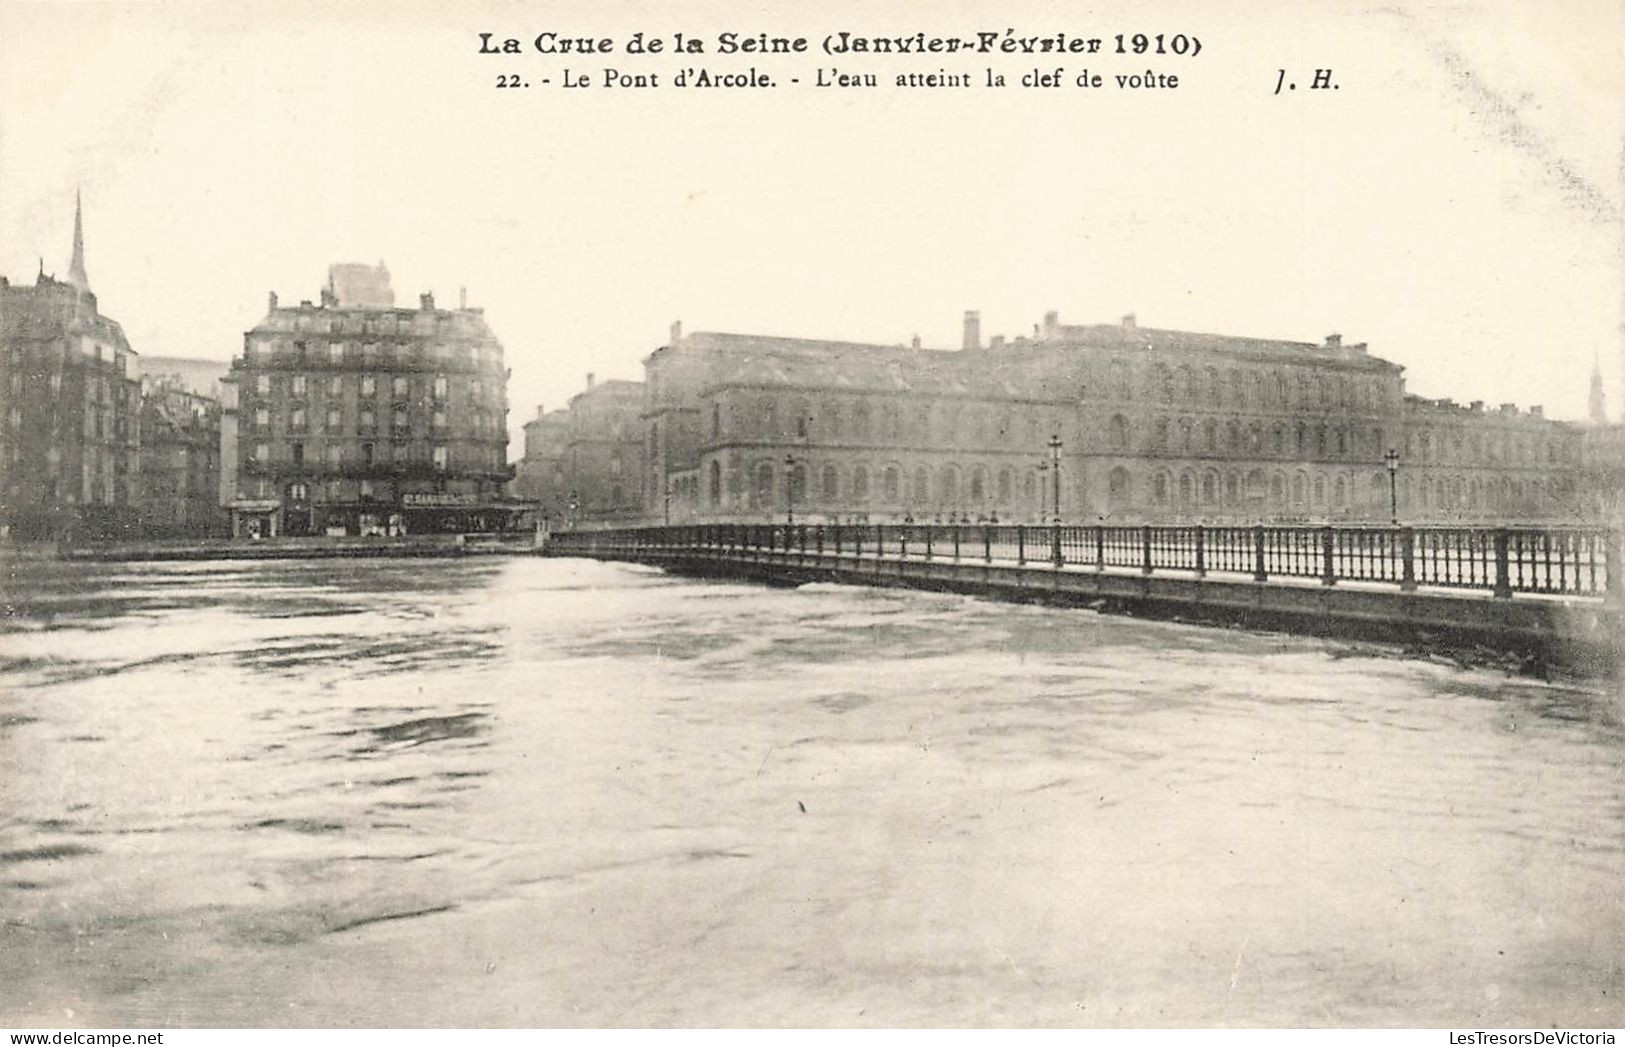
1456	202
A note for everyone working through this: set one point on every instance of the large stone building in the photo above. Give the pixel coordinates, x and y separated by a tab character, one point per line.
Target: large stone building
542	475
1105	422
180	460
353	416
69	427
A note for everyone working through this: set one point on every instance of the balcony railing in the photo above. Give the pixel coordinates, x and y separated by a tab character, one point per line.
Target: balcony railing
1583	562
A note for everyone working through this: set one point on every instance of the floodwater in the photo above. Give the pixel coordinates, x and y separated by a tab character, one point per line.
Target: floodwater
495	792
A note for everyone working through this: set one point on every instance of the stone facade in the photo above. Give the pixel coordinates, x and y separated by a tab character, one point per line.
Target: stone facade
1146	425
360	419
69	428
180	461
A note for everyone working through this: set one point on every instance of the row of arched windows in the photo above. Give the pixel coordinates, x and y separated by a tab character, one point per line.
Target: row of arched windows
934	421
769	483
1250	387
1232	436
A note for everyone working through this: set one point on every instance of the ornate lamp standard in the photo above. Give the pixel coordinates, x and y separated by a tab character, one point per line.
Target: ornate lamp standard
1391	460
1043	491
789	490
1055	473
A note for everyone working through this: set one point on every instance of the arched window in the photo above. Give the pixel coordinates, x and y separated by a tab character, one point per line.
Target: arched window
1278	491
762	492
860	421
1159	489
1117	433
948	485
860	484
978	486
1118	490
1185	434
1187	491
1210	488
921	495
798	483
831	485
1232	489
893	485
1340	493
1210	435
1004	487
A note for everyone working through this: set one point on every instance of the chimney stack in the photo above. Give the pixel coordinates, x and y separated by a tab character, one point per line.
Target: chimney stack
590	378
426	302
676	331
330	300
916	342
1334	341
273	302
462	297
1129	323
973	329
540	410
1052	320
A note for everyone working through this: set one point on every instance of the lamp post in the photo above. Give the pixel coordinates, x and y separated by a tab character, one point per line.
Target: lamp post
666	504
1055	473
1391	460
789	490
1043	491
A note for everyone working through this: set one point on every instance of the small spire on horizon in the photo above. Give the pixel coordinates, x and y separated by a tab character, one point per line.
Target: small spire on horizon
76	269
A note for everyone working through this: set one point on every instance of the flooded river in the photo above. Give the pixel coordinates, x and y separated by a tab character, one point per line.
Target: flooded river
554	792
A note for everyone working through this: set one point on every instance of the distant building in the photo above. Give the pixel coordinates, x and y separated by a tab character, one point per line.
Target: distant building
180	461
69	432
202	377
356	417
542	474
1151	425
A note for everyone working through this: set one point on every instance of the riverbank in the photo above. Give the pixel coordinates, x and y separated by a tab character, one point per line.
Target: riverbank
426	545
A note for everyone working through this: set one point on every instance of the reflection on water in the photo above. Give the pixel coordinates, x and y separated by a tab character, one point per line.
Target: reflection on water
532	792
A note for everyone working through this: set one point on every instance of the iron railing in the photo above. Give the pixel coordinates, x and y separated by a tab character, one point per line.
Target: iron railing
1585	562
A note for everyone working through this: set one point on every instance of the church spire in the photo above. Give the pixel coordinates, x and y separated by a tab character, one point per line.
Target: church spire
1598	406
76	269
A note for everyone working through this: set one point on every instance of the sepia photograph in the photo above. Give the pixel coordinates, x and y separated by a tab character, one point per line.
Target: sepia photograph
878	516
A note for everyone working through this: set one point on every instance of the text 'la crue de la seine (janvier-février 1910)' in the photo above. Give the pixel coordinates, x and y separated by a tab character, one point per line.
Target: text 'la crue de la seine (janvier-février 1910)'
1005	43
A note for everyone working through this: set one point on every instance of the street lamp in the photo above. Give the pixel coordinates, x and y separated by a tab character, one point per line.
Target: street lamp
666	509
1055	470
1391	460
1043	491
790	490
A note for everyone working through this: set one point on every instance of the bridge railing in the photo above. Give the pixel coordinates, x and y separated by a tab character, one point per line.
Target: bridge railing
1566	562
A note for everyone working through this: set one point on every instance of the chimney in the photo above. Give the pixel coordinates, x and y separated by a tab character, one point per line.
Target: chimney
1537	411
462	297
1509	408
916	342
1334	341
590	379
1052	320
273	302
1129	323
1358	347
996	342
973	329
1477	407
426	302
676	332
540	410
329	299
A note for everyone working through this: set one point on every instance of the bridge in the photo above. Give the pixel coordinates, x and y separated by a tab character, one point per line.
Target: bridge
1538	595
